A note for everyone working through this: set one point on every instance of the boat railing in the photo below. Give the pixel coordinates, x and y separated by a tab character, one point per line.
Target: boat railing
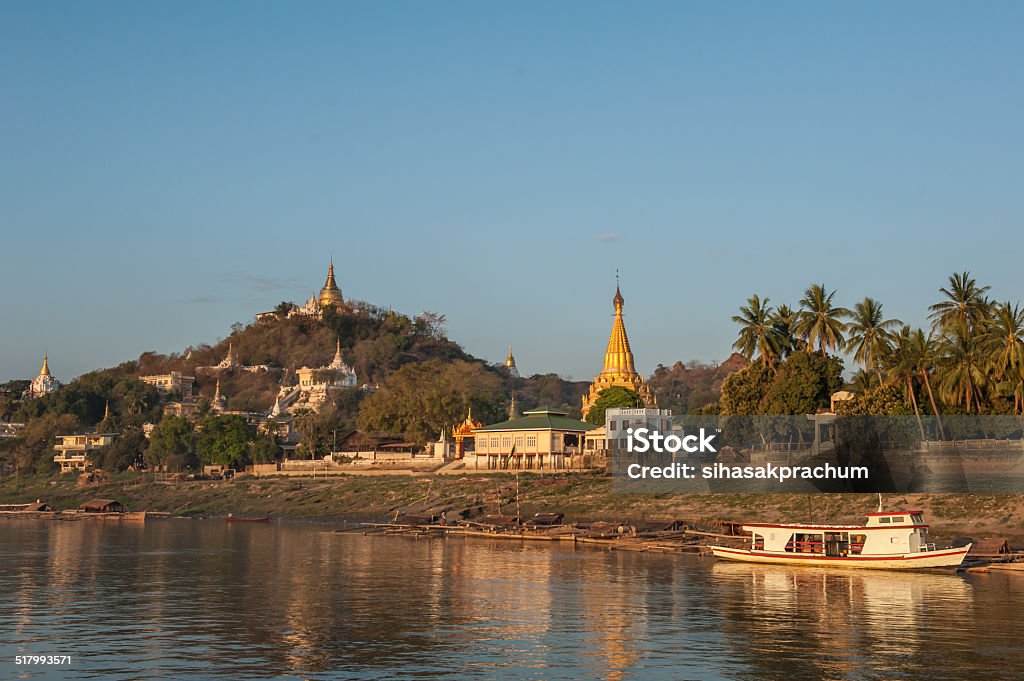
928	547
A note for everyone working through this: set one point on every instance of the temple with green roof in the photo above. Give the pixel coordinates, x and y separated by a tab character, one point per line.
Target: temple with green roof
539	439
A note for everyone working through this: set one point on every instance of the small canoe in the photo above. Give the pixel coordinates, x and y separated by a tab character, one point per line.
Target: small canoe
238	519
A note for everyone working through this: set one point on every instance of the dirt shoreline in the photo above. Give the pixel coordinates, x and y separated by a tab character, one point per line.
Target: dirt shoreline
580	497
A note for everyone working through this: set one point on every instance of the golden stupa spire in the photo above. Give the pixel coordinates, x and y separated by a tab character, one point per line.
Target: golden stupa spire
330	294
45	371
510	361
618	358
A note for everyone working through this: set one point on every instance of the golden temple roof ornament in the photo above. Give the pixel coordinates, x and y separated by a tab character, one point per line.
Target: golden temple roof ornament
45	371
330	294
510	363
464	430
467	427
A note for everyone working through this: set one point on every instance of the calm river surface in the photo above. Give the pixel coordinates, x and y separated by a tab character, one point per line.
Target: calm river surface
204	599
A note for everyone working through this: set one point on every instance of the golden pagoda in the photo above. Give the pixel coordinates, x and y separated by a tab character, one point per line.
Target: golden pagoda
510	364
619	368
330	294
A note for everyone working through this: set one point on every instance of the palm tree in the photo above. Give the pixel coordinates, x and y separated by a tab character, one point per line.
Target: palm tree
818	322
863	381
926	357
871	336
783	320
757	333
965	302
1016	384
1006	340
903	367
136	403
963	367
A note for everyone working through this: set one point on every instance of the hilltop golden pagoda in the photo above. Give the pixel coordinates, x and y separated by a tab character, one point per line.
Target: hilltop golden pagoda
330	294
510	364
619	368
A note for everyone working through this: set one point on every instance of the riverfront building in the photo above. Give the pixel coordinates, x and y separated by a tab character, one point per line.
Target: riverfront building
540	438
618	420
73	450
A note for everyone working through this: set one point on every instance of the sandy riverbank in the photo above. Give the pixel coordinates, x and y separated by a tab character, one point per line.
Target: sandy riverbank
579	496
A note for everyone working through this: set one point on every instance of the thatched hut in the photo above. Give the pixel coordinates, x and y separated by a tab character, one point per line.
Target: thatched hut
102	506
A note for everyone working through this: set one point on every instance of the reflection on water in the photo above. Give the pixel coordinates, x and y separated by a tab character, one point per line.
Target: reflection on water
207	600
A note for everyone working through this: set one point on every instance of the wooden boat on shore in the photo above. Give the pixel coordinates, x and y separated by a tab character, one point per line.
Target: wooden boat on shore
232	518
895	540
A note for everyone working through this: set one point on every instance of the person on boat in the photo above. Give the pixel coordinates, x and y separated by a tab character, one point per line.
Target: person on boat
444	518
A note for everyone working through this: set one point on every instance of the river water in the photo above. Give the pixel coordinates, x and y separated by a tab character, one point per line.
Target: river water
204	599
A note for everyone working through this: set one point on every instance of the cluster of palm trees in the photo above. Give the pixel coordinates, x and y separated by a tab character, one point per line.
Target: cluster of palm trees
971	360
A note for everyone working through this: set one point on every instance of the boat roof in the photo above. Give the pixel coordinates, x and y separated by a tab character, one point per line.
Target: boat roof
849	528
894	513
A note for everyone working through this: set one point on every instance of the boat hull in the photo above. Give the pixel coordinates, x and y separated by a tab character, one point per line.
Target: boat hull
945	558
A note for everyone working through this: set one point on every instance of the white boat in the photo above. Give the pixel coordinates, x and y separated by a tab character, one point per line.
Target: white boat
888	540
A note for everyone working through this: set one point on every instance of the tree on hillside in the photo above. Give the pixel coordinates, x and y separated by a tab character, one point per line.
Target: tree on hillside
126	450
758	333
819	323
615	396
172	444
419	400
283	308
34	453
224	440
319	432
131	401
263	448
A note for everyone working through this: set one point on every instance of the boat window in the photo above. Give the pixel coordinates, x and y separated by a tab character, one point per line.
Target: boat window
916	519
886	520
898	518
857	543
805	543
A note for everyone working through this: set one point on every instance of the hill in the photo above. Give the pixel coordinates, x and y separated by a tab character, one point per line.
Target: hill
685	388
421	382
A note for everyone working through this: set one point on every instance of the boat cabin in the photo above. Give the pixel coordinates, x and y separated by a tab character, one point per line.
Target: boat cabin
896	532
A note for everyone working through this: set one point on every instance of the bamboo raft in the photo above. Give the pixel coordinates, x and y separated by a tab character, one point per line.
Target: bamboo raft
656	537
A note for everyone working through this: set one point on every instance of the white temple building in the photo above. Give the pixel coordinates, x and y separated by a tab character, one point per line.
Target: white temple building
44	383
314	385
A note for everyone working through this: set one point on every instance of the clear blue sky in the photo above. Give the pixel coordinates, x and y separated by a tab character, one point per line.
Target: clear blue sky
169	168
